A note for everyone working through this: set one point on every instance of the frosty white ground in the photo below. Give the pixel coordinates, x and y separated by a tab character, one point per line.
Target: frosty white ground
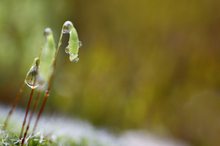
77	129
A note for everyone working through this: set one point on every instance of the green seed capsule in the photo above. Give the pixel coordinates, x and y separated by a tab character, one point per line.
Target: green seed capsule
69	41
47	57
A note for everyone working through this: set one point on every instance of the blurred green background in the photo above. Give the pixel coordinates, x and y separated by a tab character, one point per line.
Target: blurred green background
144	64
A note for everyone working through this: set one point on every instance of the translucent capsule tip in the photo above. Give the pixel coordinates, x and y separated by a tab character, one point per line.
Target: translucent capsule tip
47	31
67	26
36	61
68	23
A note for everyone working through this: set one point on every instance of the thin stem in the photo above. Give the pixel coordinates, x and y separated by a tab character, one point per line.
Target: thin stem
27	110
31	116
41	110
15	102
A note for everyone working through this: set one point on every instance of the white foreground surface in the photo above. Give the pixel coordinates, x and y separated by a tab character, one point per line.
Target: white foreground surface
77	130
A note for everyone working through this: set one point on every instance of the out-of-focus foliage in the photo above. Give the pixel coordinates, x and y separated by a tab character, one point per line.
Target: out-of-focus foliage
144	64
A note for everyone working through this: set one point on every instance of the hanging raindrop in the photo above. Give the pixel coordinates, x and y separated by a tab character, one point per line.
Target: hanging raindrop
74	57
32	79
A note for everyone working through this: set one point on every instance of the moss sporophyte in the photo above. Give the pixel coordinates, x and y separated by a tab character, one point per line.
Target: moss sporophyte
40	75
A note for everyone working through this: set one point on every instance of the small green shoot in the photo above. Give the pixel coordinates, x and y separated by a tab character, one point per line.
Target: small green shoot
47	57
41	73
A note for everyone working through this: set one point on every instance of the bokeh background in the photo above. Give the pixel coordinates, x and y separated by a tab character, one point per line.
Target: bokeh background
146	64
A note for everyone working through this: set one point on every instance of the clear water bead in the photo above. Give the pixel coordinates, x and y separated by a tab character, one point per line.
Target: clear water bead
67	50
74	57
32	79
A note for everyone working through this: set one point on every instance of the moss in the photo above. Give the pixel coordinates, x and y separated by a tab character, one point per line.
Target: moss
11	139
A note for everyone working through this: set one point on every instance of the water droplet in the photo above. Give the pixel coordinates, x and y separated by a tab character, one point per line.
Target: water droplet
67	26
80	44
31	78
67	50
47	31
74	58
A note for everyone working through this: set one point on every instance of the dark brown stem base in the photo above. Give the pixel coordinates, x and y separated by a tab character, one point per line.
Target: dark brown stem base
30	117
27	111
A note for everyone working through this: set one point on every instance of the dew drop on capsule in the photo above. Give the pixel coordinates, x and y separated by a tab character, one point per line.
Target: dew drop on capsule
67	26
67	50
74	57
47	31
32	76
80	44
